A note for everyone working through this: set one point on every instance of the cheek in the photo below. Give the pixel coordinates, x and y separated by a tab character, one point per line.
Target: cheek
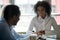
39	13
16	20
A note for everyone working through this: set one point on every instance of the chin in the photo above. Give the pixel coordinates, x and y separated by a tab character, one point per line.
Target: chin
14	24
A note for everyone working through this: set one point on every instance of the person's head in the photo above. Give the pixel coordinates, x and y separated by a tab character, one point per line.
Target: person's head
42	8
11	14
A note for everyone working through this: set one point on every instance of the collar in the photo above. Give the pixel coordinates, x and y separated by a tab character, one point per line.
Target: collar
40	18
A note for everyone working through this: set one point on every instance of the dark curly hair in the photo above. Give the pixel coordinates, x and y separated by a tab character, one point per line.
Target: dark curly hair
44	4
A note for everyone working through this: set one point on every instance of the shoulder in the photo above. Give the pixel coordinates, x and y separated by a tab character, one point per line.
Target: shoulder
3	25
34	18
52	18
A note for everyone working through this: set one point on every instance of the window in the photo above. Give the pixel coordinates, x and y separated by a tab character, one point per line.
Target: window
53	9
2	3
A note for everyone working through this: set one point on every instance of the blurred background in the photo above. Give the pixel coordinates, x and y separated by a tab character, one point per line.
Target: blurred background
27	12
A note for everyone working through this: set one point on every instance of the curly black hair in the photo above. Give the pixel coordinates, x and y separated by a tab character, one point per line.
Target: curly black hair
44	4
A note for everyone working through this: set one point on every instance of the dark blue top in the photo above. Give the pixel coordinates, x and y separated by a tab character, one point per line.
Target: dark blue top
5	33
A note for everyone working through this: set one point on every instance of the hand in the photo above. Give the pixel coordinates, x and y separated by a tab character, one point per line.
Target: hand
43	32
40	32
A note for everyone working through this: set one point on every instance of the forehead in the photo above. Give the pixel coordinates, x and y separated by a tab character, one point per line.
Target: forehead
40	7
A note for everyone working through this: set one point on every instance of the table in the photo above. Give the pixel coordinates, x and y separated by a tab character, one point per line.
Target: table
48	37
52	37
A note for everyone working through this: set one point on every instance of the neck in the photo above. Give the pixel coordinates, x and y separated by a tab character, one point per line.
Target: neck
43	17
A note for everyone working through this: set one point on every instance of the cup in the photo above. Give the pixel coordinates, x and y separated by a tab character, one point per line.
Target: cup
33	37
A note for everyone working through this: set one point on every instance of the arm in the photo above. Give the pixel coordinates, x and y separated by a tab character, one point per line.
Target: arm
54	24
19	36
16	35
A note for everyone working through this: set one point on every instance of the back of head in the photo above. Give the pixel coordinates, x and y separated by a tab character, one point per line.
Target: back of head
10	10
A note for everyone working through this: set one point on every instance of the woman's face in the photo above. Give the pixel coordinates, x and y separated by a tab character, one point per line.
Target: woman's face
41	11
